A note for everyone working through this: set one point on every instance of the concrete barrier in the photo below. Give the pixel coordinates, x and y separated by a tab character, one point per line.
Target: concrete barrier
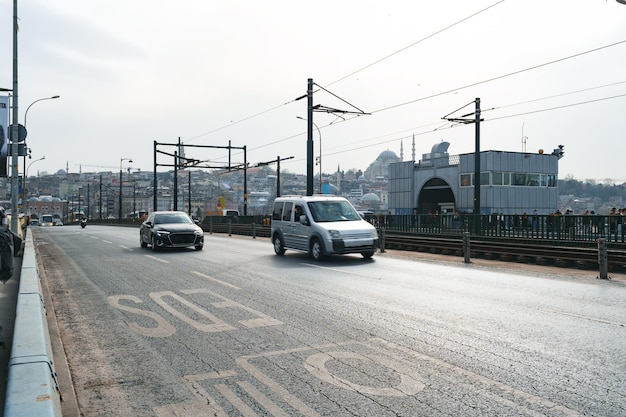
32	387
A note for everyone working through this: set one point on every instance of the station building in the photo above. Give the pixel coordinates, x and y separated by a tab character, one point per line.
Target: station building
510	182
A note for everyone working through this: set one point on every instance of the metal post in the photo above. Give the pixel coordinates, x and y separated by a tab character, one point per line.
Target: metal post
309	141
100	199
245	182
278	176
119	212
13	132
189	192
603	259
154	179
176	180
466	247
477	226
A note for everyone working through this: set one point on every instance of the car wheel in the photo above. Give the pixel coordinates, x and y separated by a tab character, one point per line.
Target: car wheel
279	245
141	242
198	247
154	244
317	250
367	255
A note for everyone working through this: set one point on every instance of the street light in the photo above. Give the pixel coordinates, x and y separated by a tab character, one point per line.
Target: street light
319	158
26	153
37	101
24	194
130	161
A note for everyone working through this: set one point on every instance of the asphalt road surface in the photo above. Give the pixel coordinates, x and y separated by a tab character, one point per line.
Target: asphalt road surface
235	330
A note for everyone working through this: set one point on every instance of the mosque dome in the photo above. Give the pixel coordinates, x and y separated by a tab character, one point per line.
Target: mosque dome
388	156
380	167
370	198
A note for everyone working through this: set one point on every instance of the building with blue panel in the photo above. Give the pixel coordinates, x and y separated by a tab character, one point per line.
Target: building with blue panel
510	182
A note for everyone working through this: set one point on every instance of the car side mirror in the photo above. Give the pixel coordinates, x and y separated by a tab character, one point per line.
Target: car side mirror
304	220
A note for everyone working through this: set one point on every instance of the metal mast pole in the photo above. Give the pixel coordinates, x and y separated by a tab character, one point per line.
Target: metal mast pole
13	135
309	141
477	160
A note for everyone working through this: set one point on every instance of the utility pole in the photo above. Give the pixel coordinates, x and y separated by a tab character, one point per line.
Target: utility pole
14	131
277	161
309	140
477	159
476	120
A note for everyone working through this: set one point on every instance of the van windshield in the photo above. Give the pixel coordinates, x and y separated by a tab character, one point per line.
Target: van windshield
333	211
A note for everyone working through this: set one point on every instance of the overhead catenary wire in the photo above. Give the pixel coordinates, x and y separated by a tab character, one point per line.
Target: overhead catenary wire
534	67
348	75
415	43
361	144
510	74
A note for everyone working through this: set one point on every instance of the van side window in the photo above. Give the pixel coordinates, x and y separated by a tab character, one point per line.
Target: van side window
287	212
277	214
297	212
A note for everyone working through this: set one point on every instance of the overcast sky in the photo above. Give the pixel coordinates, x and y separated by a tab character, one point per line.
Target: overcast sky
132	72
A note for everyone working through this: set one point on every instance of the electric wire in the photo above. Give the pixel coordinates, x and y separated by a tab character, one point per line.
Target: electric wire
346	76
534	67
415	43
450	125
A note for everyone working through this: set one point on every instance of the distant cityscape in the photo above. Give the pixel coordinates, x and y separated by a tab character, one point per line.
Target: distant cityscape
203	192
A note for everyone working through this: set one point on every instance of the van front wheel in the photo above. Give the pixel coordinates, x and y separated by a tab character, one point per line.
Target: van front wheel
279	245
317	250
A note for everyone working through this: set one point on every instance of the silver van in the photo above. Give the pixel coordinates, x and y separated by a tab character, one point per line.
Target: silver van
321	226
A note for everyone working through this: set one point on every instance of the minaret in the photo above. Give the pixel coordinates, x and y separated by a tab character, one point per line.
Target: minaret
413	147
401	150
338	178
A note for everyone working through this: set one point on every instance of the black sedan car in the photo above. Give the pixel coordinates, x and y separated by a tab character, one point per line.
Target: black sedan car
170	229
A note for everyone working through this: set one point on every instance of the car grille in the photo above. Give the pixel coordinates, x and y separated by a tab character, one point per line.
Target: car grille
356	235
182	238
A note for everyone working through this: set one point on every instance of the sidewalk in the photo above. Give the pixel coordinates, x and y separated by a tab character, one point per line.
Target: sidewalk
8	301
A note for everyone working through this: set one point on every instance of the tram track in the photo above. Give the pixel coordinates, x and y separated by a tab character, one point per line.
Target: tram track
543	252
514	250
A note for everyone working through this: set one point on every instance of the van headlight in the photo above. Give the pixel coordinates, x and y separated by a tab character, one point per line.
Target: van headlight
374	234
334	234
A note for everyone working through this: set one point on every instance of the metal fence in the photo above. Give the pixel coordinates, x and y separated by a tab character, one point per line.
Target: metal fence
577	228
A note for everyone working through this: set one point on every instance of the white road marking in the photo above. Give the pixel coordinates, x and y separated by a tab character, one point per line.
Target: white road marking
154	258
316	365
262	320
224	283
217	325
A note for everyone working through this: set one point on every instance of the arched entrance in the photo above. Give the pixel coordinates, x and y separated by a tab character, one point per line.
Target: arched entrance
436	195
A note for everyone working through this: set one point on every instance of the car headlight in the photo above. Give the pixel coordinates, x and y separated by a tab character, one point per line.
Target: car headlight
198	232
374	234
161	233
334	234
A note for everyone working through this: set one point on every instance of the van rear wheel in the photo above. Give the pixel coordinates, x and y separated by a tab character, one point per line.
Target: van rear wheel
317	250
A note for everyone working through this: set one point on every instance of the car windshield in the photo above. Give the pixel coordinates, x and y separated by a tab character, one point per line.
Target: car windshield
333	211
168	218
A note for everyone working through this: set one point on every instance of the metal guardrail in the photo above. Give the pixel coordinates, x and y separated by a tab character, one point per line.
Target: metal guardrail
32	387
